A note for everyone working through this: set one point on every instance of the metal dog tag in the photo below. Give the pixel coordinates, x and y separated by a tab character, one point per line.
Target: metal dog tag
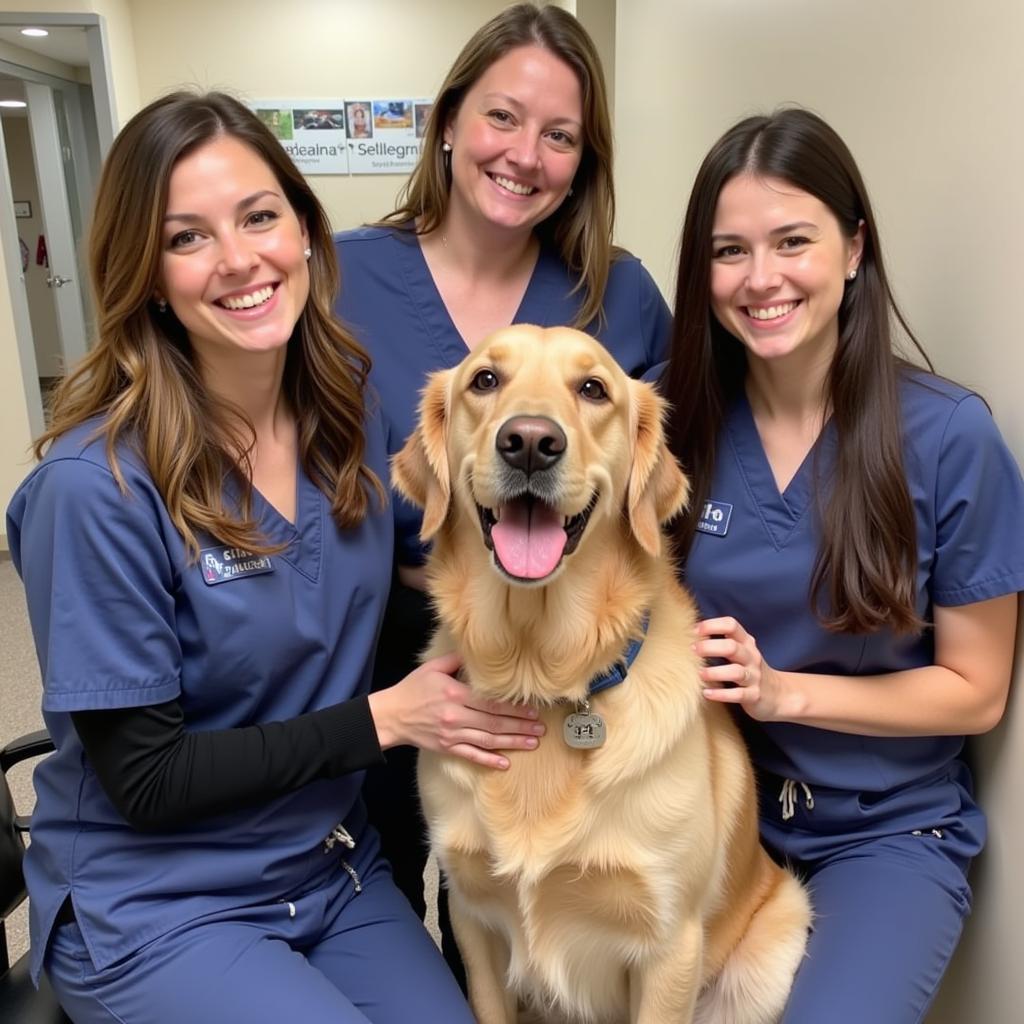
584	730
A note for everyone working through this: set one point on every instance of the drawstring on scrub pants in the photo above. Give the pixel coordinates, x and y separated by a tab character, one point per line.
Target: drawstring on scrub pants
788	797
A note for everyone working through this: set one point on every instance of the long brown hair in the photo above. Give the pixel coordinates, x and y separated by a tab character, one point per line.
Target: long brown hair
864	576
580	230
140	377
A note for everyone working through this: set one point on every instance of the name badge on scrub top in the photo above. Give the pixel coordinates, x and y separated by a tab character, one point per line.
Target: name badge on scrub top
221	565
715	518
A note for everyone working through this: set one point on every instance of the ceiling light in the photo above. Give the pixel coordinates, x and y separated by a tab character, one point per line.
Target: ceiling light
34	32
13	103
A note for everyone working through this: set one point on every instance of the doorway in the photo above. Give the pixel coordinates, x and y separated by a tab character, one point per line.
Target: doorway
51	148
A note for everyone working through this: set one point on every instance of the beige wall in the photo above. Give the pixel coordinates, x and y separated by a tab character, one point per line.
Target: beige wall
928	94
598	17
344	48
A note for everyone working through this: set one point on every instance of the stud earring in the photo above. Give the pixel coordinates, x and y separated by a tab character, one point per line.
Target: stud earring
161	304
446	147
852	275
307	253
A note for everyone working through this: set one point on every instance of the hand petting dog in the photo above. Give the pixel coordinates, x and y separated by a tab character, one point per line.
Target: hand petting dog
433	710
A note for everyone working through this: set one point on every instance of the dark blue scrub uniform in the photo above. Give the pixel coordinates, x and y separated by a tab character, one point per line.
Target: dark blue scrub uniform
884	829
245	916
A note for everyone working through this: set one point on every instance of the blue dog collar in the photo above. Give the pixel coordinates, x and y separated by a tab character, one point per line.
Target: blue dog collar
617	673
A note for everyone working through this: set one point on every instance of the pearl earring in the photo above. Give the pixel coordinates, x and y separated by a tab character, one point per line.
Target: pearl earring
307	253
446	147
852	275
161	305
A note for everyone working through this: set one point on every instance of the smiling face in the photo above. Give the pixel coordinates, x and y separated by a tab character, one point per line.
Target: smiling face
233	268
536	443
779	262
529	425
517	141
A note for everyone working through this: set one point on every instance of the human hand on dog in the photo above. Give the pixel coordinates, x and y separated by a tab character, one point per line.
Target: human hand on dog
432	710
743	677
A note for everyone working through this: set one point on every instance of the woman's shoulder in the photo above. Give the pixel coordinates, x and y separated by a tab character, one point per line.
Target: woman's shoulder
921	387
625	266
629	282
369	237
634	306
75	483
82	454
364	233
931	403
87	441
951	437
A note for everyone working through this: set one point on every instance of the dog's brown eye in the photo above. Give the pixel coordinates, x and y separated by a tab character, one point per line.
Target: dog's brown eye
594	390
485	380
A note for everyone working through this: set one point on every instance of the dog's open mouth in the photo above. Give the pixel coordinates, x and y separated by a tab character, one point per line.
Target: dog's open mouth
529	538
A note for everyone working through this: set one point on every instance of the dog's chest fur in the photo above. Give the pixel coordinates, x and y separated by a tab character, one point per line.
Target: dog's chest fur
568	845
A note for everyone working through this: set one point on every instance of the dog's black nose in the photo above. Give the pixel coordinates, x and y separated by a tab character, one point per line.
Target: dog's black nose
531	443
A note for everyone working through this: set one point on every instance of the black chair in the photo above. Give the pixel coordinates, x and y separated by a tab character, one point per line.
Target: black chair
20	1003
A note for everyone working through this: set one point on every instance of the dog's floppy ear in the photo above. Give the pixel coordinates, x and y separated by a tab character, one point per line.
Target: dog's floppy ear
420	470
657	488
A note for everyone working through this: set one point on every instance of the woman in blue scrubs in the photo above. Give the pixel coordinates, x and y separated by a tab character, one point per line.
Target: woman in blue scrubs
858	516
206	550
506	219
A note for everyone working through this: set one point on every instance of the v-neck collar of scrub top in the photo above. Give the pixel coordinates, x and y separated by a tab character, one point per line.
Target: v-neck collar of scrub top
303	538
780	512
544	291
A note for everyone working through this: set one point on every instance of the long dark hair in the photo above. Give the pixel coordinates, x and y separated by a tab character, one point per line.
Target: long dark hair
864	576
580	230
140	376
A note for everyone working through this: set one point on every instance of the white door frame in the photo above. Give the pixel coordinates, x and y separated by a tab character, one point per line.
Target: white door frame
105	117
61	258
19	300
101	79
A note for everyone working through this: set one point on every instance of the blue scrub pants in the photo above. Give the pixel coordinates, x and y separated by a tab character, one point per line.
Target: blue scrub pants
327	955
889	904
389	791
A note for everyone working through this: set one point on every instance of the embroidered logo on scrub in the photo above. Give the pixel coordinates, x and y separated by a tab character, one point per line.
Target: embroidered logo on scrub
221	565
715	518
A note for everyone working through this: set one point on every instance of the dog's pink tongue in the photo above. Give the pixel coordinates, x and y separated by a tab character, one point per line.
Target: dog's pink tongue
529	539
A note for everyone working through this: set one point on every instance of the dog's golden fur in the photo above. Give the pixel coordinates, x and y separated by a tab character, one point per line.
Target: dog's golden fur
624	883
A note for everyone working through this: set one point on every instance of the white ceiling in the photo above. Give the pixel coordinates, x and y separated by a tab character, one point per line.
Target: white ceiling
67	45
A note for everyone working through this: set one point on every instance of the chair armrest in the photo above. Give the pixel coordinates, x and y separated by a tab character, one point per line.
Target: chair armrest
34	744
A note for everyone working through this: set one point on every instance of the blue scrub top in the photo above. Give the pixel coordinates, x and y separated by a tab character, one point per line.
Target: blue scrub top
389	301
756	558
121	619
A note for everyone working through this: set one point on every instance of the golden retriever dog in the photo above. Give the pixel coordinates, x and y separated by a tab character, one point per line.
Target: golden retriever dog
614	873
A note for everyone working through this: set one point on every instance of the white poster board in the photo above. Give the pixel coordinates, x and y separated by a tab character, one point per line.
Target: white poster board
358	136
